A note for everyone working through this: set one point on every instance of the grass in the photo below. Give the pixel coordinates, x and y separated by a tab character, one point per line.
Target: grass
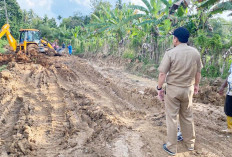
3	67
2	44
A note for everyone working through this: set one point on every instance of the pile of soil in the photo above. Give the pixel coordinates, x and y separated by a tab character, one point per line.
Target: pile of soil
208	93
22	58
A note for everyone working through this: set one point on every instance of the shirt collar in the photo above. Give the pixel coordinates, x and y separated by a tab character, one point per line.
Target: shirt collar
182	44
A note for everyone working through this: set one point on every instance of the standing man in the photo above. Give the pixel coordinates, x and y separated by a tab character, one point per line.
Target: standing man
181	68
63	45
70	49
228	103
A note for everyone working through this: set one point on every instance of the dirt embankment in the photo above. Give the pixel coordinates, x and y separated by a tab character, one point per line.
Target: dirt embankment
70	107
23	58
133	66
208	93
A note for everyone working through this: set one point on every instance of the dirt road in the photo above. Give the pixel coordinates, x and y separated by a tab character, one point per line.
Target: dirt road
75	108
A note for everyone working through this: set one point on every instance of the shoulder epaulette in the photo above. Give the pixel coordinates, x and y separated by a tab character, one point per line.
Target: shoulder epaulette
169	49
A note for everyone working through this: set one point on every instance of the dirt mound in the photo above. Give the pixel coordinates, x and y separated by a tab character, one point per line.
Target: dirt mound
208	93
23	58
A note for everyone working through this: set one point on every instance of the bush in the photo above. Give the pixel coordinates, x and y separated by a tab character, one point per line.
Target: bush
2	44
3	67
129	54
211	71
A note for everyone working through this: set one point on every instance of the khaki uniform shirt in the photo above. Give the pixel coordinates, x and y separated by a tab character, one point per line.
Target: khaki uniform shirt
181	63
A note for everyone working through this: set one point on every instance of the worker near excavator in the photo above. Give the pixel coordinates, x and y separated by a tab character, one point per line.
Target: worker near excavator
63	45
70	49
181	69
228	102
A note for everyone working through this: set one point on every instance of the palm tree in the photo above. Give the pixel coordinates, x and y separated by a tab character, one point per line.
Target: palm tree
59	18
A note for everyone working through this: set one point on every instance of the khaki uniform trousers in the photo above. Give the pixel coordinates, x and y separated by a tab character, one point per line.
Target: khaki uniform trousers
178	101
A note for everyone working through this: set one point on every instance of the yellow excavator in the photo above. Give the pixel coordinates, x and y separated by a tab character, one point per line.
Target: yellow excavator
30	41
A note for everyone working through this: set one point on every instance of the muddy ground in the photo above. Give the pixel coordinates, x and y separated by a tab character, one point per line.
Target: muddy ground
73	107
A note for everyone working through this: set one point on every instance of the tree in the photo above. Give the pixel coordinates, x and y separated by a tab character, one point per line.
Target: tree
59	17
14	14
76	20
119	4
97	6
157	19
52	23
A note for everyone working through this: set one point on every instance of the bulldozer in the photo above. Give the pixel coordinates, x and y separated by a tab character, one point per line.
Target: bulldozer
30	42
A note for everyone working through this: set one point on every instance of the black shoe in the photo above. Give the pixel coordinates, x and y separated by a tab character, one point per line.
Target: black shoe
179	138
168	151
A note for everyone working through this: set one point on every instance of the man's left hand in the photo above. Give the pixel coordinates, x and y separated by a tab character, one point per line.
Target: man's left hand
161	94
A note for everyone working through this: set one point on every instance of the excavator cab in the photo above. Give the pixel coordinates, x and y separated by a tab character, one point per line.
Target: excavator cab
28	37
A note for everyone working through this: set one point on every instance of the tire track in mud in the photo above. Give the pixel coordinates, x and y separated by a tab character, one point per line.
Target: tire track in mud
106	122
52	107
41	114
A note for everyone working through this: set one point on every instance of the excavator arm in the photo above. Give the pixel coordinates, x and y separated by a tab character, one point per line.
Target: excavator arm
6	30
44	42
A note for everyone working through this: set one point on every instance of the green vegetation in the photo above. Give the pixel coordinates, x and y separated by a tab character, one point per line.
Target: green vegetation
2	44
130	54
3	67
140	33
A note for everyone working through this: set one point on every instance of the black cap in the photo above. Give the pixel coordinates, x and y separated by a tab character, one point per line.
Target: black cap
182	34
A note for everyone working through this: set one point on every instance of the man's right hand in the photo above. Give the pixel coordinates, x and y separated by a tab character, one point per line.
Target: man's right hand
196	89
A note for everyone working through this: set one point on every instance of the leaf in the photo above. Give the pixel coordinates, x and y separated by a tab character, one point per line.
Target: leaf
152	2
106	11
130	18
141	8
154	21
221	7
102	29
180	11
112	21
166	3
208	3
161	20
147	22
148	5
112	15
96	25
96	17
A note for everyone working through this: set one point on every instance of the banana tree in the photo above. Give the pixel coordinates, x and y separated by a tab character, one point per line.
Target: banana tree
114	22
208	8
156	16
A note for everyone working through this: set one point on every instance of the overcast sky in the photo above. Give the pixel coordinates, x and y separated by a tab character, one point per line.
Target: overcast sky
66	8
